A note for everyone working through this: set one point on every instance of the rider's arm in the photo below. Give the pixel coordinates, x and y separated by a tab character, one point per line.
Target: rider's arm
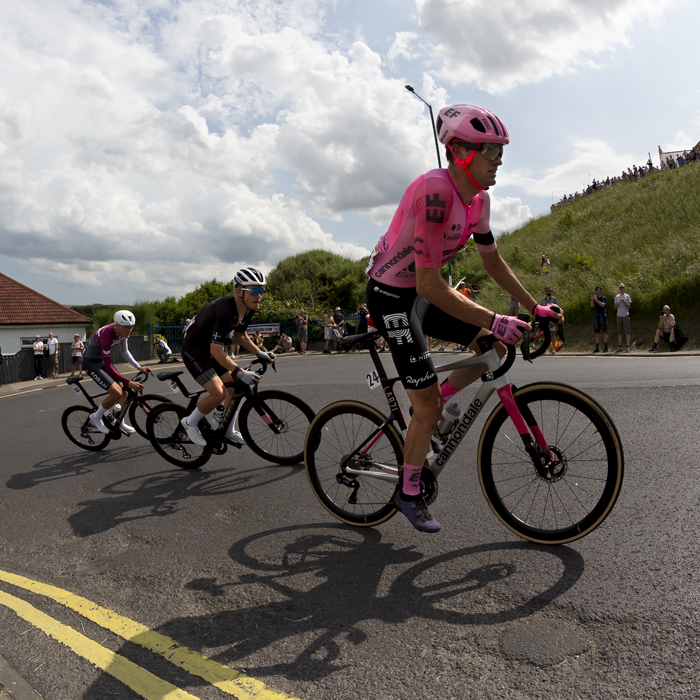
244	340
431	286
218	352
501	273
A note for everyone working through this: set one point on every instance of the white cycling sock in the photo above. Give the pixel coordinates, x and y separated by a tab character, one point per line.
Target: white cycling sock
100	412
194	417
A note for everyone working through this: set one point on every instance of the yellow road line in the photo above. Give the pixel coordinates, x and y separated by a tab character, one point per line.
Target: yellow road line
138	679
227	679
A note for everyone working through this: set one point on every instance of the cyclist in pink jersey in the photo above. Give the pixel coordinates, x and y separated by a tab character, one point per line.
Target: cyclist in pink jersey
439	212
97	363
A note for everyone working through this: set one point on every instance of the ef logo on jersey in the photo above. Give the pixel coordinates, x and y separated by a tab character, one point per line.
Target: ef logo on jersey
397	327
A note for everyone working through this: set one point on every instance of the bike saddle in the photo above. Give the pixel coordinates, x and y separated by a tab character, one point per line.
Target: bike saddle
73	380
165	376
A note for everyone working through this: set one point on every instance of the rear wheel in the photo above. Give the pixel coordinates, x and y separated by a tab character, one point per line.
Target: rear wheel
170	439
584	462
349	435
140	409
274	425
81	431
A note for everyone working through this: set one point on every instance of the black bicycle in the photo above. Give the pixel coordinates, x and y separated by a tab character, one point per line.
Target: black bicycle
273	424
550	459
81	430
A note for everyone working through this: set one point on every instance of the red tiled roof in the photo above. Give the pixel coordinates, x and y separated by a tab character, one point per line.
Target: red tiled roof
20	305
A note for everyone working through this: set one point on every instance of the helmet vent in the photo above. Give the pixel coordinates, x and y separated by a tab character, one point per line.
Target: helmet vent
495	126
476	123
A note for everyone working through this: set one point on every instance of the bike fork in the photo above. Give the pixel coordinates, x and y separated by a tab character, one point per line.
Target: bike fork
530	432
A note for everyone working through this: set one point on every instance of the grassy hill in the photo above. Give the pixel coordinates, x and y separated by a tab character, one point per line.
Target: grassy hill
645	234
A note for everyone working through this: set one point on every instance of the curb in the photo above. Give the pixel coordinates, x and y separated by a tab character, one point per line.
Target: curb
15	686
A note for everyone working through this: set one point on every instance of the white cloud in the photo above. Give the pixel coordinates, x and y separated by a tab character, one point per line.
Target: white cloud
507	213
590	159
497	45
681	141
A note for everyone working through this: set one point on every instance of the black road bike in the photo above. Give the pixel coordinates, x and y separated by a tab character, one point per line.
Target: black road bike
273	424
81	430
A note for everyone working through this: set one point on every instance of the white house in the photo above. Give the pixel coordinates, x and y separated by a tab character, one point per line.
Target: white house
24	314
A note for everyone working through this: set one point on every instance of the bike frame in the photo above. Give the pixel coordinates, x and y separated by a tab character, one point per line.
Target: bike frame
495	379
229	413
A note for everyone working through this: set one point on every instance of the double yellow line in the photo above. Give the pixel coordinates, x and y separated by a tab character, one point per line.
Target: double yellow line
138	679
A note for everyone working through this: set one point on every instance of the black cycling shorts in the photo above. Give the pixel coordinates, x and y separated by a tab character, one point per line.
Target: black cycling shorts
95	369
203	367
390	309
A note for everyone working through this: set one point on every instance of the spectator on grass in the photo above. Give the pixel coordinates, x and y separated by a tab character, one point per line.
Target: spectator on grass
623	304
514	307
666	329
599	304
545	264
554	327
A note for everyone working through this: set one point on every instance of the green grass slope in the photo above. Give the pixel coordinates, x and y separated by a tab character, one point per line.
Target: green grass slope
645	234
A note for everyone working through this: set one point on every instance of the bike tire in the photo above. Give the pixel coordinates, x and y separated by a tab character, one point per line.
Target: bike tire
292	418
583	492
169	438
78	427
140	409
334	435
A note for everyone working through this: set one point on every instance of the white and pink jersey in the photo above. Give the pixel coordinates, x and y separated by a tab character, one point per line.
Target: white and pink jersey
431	224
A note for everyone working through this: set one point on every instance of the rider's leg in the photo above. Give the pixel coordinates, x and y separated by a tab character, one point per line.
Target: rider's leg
114	395
215	394
459	378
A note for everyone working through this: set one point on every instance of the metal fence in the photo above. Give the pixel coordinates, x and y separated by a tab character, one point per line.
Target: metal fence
174	337
20	367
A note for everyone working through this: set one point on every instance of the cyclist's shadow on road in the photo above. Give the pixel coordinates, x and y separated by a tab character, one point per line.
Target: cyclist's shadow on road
74	465
158	494
324	583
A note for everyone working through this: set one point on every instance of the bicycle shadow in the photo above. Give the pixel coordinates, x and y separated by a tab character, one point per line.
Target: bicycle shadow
323	589
70	466
158	494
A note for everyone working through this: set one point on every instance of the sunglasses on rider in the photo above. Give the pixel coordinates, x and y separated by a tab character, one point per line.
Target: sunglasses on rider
255	291
490	151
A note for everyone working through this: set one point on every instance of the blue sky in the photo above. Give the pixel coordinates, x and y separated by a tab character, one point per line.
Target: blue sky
147	145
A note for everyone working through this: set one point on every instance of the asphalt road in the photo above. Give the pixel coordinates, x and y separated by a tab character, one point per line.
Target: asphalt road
239	563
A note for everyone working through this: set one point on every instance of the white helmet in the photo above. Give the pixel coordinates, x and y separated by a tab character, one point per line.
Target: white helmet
125	318
248	276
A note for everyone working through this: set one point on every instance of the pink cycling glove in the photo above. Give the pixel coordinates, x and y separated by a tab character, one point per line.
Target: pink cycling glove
509	329
544	311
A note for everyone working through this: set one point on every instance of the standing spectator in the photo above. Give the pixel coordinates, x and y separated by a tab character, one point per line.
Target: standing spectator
363	313
52	344
76	355
188	323
599	304
666	329
623	303
38	348
329	327
338	330
544	265
302	330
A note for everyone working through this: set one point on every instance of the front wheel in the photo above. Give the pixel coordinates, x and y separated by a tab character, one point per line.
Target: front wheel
349	435
170	439
274	424
141	408
585	465
81	430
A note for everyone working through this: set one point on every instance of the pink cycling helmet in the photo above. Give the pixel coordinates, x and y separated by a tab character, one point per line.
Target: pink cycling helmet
470	123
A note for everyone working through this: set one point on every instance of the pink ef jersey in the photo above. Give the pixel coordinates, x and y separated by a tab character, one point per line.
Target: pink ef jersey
431	224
